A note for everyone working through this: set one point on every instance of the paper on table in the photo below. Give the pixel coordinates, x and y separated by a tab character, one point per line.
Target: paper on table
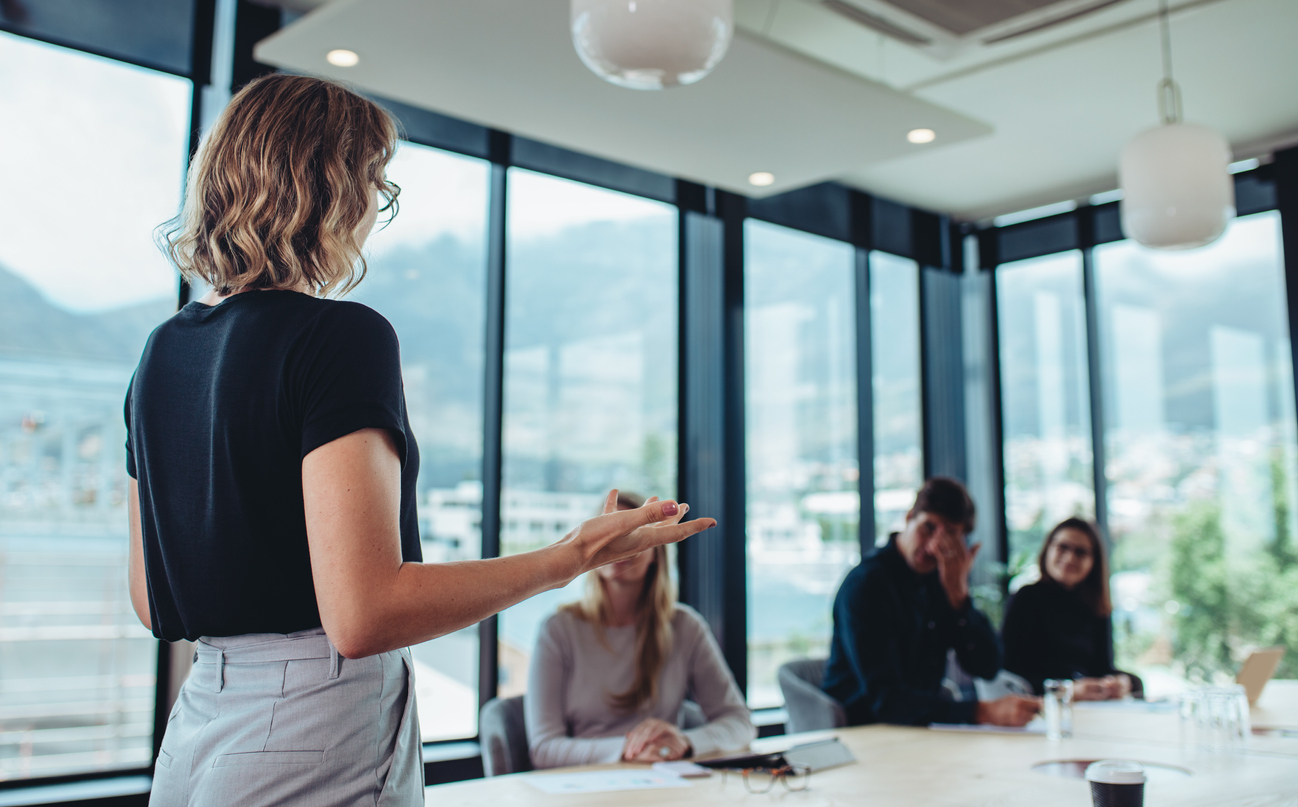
1127	705
1037	726
604	781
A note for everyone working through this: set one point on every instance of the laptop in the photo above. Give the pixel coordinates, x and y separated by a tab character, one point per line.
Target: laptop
1257	669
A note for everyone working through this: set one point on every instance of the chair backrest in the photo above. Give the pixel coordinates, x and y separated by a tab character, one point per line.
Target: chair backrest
957	685
503	735
691	716
809	708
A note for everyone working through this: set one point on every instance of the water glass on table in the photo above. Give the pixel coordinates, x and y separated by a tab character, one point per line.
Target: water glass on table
1057	706
1215	718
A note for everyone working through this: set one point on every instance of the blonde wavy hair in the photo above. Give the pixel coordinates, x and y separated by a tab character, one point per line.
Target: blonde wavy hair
654	615
280	187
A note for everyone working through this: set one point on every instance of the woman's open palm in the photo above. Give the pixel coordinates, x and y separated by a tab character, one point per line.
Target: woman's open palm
619	534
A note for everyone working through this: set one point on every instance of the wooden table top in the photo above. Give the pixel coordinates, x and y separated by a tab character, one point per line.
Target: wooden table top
922	767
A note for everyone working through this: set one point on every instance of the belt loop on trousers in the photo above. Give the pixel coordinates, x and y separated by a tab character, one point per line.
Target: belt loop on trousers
335	662
220	669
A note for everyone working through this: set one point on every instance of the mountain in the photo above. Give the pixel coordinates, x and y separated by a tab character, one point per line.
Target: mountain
33	327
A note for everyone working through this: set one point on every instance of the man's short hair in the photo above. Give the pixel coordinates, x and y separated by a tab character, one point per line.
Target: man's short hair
945	497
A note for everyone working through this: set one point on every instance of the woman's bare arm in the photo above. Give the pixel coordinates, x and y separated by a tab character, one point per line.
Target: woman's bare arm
371	602
135	567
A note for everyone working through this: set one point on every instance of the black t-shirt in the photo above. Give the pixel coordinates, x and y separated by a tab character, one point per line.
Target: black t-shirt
1049	632
225	403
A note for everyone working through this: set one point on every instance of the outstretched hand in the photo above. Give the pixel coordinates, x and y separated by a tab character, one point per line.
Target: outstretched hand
619	534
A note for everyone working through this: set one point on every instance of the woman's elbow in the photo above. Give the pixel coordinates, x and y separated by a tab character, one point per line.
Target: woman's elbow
142	613
354	638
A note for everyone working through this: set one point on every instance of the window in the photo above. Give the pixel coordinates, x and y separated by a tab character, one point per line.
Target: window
801	446
96	164
1044	399
1202	462
590	372
427	275
898	409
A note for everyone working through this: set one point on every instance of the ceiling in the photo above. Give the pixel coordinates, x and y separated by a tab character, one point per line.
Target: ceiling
1031	100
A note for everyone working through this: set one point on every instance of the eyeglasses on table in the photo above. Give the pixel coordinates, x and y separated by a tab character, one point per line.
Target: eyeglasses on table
763	779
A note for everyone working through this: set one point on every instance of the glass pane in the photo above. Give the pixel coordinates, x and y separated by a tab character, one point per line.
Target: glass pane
427	275
804	509
92	155
1202	459
898	436
1044	399
590	372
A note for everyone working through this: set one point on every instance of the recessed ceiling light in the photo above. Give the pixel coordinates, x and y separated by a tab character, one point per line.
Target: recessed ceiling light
342	58
921	135
761	178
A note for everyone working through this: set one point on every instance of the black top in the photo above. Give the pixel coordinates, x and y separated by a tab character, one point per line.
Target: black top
226	402
892	630
1050	633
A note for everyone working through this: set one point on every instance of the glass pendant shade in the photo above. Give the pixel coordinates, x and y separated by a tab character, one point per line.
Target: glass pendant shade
1177	191
652	44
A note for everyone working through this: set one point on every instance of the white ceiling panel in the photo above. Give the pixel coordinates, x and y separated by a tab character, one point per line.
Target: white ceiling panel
510	65
809	95
1064	102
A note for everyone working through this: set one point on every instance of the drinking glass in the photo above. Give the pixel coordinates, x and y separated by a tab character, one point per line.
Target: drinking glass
1215	718
1057	703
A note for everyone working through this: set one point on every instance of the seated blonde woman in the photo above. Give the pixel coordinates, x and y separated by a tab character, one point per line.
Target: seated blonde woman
610	673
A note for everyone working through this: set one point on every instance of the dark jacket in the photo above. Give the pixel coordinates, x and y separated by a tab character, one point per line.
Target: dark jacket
892	631
1049	632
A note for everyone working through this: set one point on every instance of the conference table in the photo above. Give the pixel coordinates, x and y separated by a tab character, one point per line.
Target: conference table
925	766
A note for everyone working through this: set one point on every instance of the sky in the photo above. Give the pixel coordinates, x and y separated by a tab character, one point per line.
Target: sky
92	160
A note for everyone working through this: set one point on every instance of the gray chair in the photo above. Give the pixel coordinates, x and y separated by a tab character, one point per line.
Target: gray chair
502	733
691	716
503	736
809	708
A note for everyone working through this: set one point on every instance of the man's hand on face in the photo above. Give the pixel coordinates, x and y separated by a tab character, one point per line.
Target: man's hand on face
954	562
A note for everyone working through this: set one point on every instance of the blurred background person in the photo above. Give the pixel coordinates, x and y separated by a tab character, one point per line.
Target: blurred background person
611	672
1061	625
898	613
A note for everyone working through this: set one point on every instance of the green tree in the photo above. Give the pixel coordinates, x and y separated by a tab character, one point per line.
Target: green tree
1229	605
1198	582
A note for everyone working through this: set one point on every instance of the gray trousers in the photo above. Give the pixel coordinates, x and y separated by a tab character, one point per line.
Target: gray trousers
284	719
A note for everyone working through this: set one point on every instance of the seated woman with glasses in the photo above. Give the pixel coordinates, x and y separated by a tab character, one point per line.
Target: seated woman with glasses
1060	626
611	673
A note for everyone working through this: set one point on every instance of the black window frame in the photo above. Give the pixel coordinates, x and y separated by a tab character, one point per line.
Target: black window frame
711	299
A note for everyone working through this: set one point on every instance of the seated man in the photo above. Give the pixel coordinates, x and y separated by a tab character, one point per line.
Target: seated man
902	608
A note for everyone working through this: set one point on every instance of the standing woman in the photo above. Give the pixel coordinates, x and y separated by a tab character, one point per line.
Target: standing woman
611	673
272	494
1061	626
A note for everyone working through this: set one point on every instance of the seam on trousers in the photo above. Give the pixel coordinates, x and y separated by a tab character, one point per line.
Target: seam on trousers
270	728
379	782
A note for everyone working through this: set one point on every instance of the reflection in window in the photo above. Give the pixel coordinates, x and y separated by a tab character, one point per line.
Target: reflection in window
427	275
801	447
590	372
92	155
1202	460
898	436
1044	399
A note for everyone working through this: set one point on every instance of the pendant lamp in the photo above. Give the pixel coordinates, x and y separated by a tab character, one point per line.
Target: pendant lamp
1177	191
652	44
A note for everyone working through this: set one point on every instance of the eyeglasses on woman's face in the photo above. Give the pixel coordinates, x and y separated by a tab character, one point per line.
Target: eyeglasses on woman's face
1075	550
